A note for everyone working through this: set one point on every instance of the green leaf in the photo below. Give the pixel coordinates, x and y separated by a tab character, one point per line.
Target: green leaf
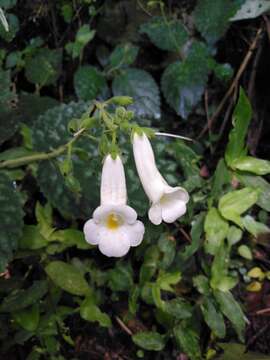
251	9
14	26
167	279
140	85
45	67
31	238
7	4
188	340
123	55
241	118
254	227
150	264
44	218
232	310
71	237
235	203
11	219
220	178
133	300
245	252
216	229
213	317
28	319
149	340
166	34
234	235
89	311
251	164
258	183
120	278
21	299
68	278
88	82
234	351
183	82
202	284
178	308
212	18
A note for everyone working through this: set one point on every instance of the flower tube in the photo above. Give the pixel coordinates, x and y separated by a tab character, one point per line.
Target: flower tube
167	203
114	226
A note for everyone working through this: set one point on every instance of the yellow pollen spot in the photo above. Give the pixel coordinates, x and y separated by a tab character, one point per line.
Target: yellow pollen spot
113	222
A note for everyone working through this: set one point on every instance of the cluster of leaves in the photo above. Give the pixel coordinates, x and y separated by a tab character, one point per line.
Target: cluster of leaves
175	284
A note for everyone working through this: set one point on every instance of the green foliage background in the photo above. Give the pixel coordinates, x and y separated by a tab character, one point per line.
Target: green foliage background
182	292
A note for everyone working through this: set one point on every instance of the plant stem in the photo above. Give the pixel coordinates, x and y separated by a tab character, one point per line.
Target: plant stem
24	160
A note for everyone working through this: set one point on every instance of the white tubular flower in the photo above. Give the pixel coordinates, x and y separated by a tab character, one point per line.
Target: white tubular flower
167	203
114	226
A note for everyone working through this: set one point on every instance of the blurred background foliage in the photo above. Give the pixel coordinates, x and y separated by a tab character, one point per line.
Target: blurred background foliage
196	289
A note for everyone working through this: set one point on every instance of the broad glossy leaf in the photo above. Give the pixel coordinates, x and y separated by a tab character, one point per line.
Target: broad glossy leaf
251	9
23	298
68	278
252	165
89	311
241	118
212	18
28	319
141	86
213	317
216	229
258	183
183	82
149	340
11	219
188	340
235	203
88	83
166	34
232	310
31	238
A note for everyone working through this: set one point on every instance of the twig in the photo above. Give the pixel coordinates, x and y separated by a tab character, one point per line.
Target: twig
123	326
240	71
24	160
186	236
262	311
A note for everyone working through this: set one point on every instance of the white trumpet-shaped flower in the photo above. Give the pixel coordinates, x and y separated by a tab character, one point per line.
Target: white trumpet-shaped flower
167	203
114	226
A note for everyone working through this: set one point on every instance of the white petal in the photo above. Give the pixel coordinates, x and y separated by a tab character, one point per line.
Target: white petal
136	232
113	183
114	243
127	213
173	204
154	214
151	179
91	232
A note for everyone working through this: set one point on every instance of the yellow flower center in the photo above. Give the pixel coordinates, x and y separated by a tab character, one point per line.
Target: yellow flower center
113	222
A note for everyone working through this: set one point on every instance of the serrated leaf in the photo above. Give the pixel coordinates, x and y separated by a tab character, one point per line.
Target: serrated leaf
216	229
258	183
241	118
88	82
188	340
183	82
11	219
68	278
166	34
123	55
21	299
212	18
142	88
149	340
251	9
89	311
235	203
44	67
213	317
232	310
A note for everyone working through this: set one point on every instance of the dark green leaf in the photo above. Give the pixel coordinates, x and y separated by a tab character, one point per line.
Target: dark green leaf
89	311
122	56
120	278
31	238
166	34
11	219
188	340
13	24
28	319
68	278
216	229
88	83
149	340
233	351
183	82
178	308
213	317
232	310
142	88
